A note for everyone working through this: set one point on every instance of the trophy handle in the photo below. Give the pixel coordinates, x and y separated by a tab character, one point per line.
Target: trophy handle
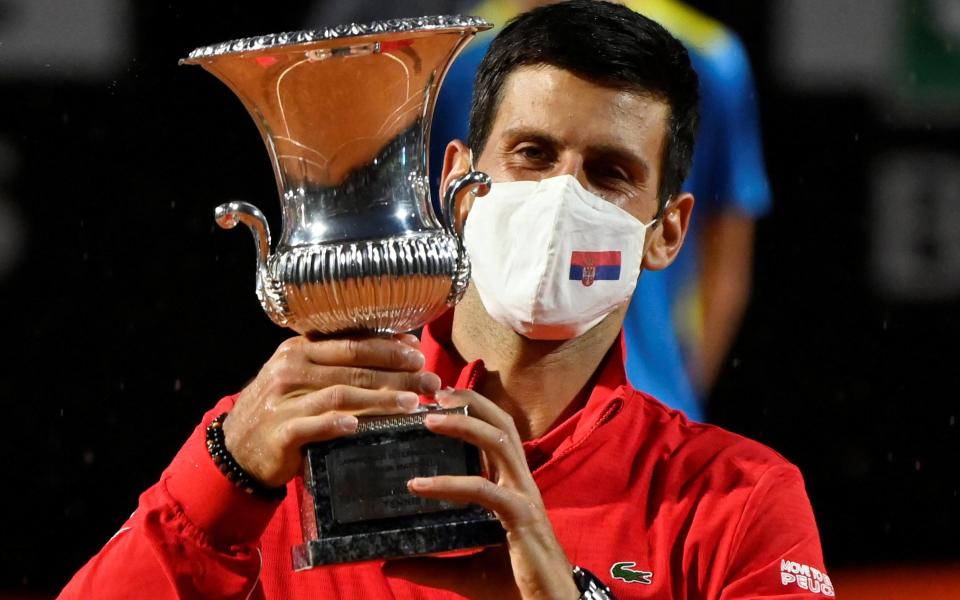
479	183
269	292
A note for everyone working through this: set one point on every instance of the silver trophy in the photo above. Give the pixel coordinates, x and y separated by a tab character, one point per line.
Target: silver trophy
345	114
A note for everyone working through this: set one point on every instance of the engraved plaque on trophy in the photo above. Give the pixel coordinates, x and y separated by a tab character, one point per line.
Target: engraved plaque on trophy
345	115
362	508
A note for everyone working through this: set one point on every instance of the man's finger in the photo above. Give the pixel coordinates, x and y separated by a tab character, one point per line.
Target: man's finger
316	377
488	427
347	399
318	428
408	339
496	444
510	507
479	407
371	353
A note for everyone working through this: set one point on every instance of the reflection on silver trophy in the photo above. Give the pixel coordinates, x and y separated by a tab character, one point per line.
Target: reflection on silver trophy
345	115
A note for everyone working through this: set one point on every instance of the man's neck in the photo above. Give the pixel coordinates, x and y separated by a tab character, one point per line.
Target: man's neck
538	383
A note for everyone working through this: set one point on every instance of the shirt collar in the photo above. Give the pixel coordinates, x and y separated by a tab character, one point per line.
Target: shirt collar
607	394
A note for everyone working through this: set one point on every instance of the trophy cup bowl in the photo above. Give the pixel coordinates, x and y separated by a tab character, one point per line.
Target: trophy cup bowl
345	115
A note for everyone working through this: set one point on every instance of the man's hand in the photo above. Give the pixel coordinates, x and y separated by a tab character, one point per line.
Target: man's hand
539	565
311	391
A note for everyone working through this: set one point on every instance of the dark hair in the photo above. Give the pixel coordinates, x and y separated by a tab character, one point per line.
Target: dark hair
605	43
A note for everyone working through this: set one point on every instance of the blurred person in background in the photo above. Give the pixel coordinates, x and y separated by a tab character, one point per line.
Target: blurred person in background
684	320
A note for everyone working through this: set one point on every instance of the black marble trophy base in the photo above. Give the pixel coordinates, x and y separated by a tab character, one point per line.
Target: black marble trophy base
356	506
410	541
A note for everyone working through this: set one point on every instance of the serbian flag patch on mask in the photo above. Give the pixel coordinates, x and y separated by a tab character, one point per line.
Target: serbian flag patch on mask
587	267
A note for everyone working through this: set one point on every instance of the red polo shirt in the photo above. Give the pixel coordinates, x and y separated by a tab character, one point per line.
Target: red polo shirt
653	504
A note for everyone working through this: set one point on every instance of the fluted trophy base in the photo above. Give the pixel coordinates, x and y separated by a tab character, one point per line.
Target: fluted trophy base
356	506
379	286
368	305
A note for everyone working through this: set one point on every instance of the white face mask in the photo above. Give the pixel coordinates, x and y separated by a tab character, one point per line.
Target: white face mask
550	259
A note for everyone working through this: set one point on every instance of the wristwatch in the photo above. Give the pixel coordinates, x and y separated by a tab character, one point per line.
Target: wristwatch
590	587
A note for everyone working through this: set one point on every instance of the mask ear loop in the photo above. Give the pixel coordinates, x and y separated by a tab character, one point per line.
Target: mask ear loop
662	208
657	219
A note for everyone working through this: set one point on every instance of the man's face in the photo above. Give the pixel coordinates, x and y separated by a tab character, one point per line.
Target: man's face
550	122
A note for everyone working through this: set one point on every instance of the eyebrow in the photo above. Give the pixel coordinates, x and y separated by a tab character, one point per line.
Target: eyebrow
529	133
607	151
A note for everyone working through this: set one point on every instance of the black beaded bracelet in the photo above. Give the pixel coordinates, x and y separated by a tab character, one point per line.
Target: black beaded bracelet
232	470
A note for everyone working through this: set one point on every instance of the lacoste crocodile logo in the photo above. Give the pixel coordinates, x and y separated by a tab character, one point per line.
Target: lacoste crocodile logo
625	571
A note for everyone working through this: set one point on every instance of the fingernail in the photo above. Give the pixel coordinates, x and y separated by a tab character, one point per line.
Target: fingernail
429	383
445	396
420	483
407	401
347	423
433	419
414	358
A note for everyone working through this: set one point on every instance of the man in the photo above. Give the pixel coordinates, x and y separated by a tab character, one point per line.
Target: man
683	320
585	118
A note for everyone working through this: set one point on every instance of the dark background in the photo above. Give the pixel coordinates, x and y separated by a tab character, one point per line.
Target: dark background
129	313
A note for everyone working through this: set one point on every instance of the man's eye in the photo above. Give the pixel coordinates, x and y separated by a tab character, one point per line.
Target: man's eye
532	153
613	175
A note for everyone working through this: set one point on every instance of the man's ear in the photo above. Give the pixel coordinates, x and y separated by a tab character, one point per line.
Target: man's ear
456	163
667	237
